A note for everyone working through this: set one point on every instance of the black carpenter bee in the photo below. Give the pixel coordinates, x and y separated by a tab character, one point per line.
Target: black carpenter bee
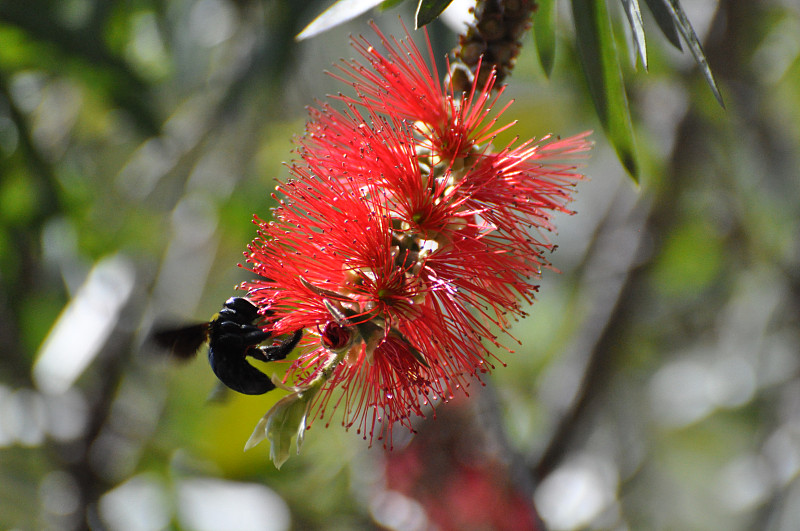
232	337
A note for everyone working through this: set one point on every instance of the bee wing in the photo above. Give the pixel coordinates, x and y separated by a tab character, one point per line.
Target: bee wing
183	342
220	394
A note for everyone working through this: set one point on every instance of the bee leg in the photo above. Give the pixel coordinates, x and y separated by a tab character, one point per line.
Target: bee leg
257	353
253	335
281	350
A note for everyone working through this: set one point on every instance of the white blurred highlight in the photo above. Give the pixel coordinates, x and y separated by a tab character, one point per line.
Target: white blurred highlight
217	505
577	493
84	326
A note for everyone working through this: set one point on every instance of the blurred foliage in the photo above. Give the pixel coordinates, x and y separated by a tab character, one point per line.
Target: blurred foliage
656	383
594	35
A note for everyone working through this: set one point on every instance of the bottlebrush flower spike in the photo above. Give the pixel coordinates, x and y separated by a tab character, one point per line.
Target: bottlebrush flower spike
401	242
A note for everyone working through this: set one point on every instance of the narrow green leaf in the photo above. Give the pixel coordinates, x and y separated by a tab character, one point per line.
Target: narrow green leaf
544	33
634	15
285	422
598	55
686	30
388	4
259	433
339	13
663	17
428	10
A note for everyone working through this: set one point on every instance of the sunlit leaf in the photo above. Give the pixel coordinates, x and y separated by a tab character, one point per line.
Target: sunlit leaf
686	30
598	56
428	10
338	13
544	33
283	423
664	20
259	432
634	15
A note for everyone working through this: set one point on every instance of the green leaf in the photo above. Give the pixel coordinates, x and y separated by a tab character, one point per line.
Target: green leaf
338	13
634	15
663	17
686	30
283	425
388	4
598	55
259	433
284	422
544	33
428	10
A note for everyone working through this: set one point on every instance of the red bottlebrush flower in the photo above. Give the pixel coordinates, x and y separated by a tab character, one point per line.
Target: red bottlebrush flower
401	242
448	124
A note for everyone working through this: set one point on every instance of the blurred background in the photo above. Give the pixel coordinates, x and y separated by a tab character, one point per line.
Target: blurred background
656	384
